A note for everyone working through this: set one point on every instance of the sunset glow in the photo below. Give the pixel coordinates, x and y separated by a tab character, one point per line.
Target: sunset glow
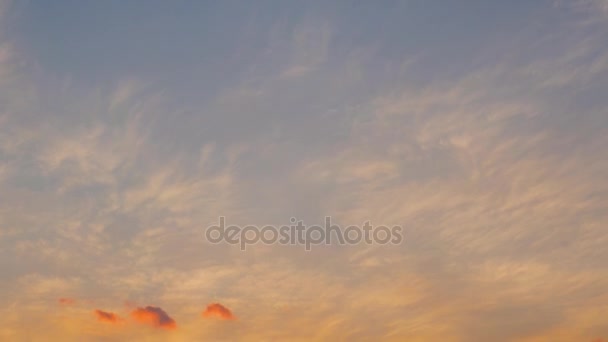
390	170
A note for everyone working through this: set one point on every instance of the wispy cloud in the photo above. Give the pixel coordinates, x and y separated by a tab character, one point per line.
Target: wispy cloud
107	317
66	301
493	164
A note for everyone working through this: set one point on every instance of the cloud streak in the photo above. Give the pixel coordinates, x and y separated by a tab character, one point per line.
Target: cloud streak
106	317
66	301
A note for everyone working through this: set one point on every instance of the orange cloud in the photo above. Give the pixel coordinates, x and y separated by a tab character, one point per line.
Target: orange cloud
218	310
66	301
154	316
108	317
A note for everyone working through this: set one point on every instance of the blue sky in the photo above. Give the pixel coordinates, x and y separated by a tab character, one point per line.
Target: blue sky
127	128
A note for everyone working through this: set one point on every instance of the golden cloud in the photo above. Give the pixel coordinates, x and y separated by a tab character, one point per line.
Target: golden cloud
154	316
219	311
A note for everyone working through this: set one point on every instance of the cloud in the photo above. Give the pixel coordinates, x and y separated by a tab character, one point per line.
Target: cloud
108	317
494	175
218	310
154	316
66	301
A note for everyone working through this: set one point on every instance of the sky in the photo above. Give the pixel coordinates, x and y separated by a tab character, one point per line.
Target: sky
127	128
